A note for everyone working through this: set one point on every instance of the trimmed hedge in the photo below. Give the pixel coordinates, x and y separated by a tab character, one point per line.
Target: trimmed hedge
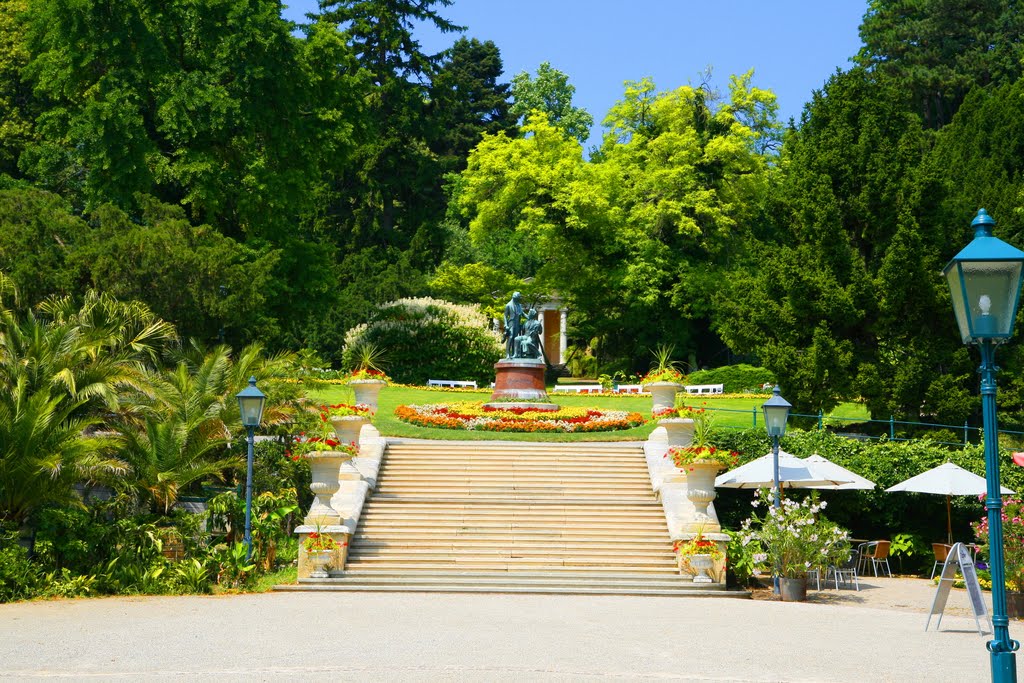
736	378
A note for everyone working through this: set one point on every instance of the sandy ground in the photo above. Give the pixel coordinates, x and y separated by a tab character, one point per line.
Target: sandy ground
876	634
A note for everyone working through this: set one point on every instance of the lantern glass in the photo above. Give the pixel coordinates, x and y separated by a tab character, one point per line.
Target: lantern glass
250	404
985	297
776	413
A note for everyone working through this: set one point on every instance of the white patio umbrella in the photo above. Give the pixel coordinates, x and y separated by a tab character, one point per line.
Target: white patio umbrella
793	473
949	480
826	466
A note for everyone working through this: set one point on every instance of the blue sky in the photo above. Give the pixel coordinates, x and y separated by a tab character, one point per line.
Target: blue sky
792	45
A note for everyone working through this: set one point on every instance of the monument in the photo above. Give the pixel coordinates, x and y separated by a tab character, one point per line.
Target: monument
519	376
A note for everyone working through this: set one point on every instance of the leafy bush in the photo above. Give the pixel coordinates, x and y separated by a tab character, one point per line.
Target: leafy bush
20	579
428	339
872	514
736	378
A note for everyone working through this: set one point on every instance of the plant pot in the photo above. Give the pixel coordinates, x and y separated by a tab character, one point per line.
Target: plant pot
367	390
700	489
663	393
793	590
324	466
347	427
702	563
679	429
1015	605
320	560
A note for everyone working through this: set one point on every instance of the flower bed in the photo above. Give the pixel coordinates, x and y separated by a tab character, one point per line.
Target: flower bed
474	416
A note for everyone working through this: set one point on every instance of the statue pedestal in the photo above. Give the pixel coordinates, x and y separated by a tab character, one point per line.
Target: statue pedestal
520	380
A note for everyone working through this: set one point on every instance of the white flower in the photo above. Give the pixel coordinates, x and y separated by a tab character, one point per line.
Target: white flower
760	557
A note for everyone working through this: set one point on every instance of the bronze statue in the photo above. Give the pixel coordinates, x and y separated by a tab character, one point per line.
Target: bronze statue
513	324
529	340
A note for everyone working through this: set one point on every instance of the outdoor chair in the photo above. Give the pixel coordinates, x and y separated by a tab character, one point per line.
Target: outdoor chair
847	571
877	554
941	551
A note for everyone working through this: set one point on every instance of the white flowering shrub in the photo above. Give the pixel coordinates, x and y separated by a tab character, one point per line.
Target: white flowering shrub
794	537
427	338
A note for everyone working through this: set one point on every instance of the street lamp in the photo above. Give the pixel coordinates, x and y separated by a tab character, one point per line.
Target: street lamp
985	281
776	413
250	405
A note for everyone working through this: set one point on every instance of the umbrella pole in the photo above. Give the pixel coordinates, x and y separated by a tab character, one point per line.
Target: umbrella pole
949	522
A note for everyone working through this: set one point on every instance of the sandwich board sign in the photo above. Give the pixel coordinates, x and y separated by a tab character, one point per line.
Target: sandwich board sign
959	558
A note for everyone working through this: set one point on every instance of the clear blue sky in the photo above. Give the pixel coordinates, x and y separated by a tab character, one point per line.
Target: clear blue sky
792	45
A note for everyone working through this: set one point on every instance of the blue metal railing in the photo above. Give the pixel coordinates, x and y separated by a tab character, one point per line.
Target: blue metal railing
892	423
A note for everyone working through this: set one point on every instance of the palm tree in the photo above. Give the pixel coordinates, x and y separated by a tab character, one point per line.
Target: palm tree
175	436
58	369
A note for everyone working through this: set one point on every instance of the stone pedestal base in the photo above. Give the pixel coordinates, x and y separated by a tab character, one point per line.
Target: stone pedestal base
519	379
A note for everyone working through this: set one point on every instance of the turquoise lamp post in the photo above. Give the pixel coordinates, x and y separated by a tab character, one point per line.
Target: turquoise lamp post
985	282
250	405
776	414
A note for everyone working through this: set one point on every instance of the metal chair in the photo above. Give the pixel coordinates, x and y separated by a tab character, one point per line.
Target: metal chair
941	551
877	553
847	569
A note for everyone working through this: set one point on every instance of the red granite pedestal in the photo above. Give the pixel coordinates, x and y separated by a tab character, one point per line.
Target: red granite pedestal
519	382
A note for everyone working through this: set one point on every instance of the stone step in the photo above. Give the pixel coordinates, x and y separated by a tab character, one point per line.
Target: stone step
597	526
531	542
438	511
494	471
508	564
348	585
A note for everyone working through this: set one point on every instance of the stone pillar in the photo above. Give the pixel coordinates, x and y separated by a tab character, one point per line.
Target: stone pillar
563	337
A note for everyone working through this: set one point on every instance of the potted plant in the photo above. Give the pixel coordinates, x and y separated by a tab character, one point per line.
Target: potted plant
1013	552
326	454
664	378
320	549
347	419
367	378
698	555
701	461
794	539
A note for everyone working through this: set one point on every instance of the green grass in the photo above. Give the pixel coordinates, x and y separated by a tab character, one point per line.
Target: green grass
730	411
266	582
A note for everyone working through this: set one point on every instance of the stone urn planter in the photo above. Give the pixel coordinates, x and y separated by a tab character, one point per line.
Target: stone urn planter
663	393
324	467
367	390
347	427
702	563
700	489
793	590
679	429
320	559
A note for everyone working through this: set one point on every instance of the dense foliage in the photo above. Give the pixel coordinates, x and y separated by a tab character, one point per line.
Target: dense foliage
253	181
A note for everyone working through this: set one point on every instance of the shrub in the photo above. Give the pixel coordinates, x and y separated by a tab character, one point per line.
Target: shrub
736	378
19	578
428	339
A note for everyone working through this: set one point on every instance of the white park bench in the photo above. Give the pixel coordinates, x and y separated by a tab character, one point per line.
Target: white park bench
578	389
629	389
454	383
705	388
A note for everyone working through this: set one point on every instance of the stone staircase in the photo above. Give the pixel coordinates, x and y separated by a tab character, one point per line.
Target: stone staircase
512	517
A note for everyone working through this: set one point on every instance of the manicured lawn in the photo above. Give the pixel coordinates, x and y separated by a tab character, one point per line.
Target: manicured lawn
729	411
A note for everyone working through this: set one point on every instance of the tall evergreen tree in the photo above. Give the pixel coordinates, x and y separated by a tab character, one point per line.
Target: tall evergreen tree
467	101
939	49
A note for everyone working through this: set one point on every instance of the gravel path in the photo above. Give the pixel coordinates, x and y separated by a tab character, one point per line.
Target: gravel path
453	637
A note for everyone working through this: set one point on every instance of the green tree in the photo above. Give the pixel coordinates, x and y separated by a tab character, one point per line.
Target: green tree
467	100
16	101
207	284
209	107
551	93
390	196
939	49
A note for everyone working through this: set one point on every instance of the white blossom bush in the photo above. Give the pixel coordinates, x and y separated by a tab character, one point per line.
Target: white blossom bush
425	338
794	538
